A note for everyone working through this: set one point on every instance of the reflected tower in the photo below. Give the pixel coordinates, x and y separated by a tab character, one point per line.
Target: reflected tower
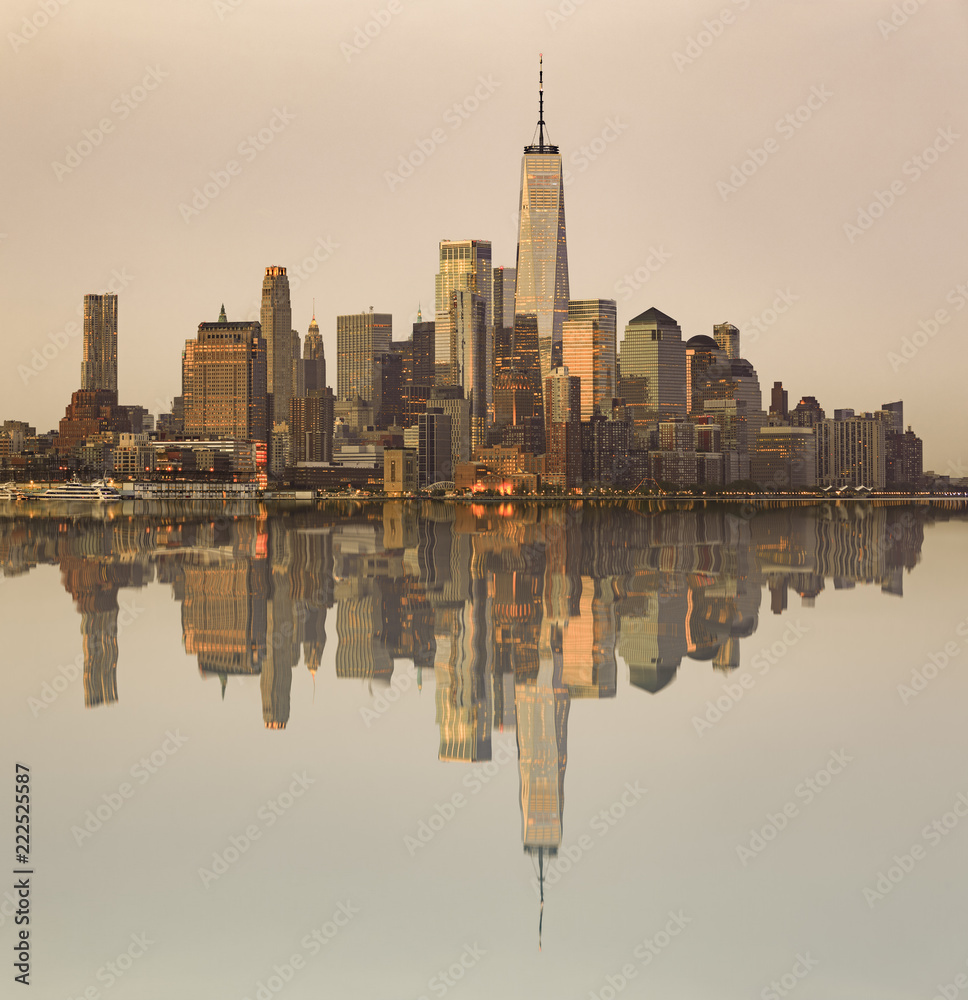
541	291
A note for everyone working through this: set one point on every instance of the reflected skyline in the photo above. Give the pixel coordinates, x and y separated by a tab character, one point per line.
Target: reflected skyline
513	611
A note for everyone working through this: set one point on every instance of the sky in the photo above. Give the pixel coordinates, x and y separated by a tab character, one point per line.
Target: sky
793	168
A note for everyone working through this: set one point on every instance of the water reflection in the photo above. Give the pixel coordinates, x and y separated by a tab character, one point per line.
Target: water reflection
516	611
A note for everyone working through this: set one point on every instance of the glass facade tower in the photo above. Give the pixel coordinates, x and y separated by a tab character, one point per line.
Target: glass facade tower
588	352
465	265
541	292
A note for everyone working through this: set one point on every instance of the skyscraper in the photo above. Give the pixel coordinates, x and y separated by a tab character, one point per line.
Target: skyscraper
99	367
224	382
276	319
588	352
727	339
703	359
360	337
563	405
653	351
469	335
465	265
314	358
541	293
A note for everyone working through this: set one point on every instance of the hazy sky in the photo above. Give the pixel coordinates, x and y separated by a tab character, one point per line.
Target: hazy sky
118	114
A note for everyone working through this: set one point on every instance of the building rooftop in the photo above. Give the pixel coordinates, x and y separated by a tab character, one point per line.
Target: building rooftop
654	315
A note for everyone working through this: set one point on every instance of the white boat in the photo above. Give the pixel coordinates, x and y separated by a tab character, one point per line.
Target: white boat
11	491
76	491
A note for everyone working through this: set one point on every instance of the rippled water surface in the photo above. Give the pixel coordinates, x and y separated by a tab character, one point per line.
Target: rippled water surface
404	750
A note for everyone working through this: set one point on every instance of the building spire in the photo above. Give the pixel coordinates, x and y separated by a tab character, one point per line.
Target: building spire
221	316
540	146
541	121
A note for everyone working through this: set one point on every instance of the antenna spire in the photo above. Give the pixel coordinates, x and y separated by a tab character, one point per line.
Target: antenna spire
540	146
541	121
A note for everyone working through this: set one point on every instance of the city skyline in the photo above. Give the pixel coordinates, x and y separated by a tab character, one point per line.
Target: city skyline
804	267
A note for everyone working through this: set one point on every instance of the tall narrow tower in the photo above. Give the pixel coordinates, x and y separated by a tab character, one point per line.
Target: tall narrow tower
541	293
99	367
277	331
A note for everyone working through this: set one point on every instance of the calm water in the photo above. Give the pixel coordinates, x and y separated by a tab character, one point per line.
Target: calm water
345	753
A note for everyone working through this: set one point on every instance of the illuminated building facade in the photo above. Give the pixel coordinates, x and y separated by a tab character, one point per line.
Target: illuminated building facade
99	366
588	351
541	292
276	317
360	337
224	380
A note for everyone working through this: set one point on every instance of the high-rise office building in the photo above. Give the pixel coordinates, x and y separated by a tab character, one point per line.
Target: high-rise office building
807	413
779	406
897	416
360	337
562	407
469	354
314	358
388	388
727	338
434	463
449	399
224	382
703	357
99	367
422	375
653	352
276	319
588	352
465	265
541	292
502	313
